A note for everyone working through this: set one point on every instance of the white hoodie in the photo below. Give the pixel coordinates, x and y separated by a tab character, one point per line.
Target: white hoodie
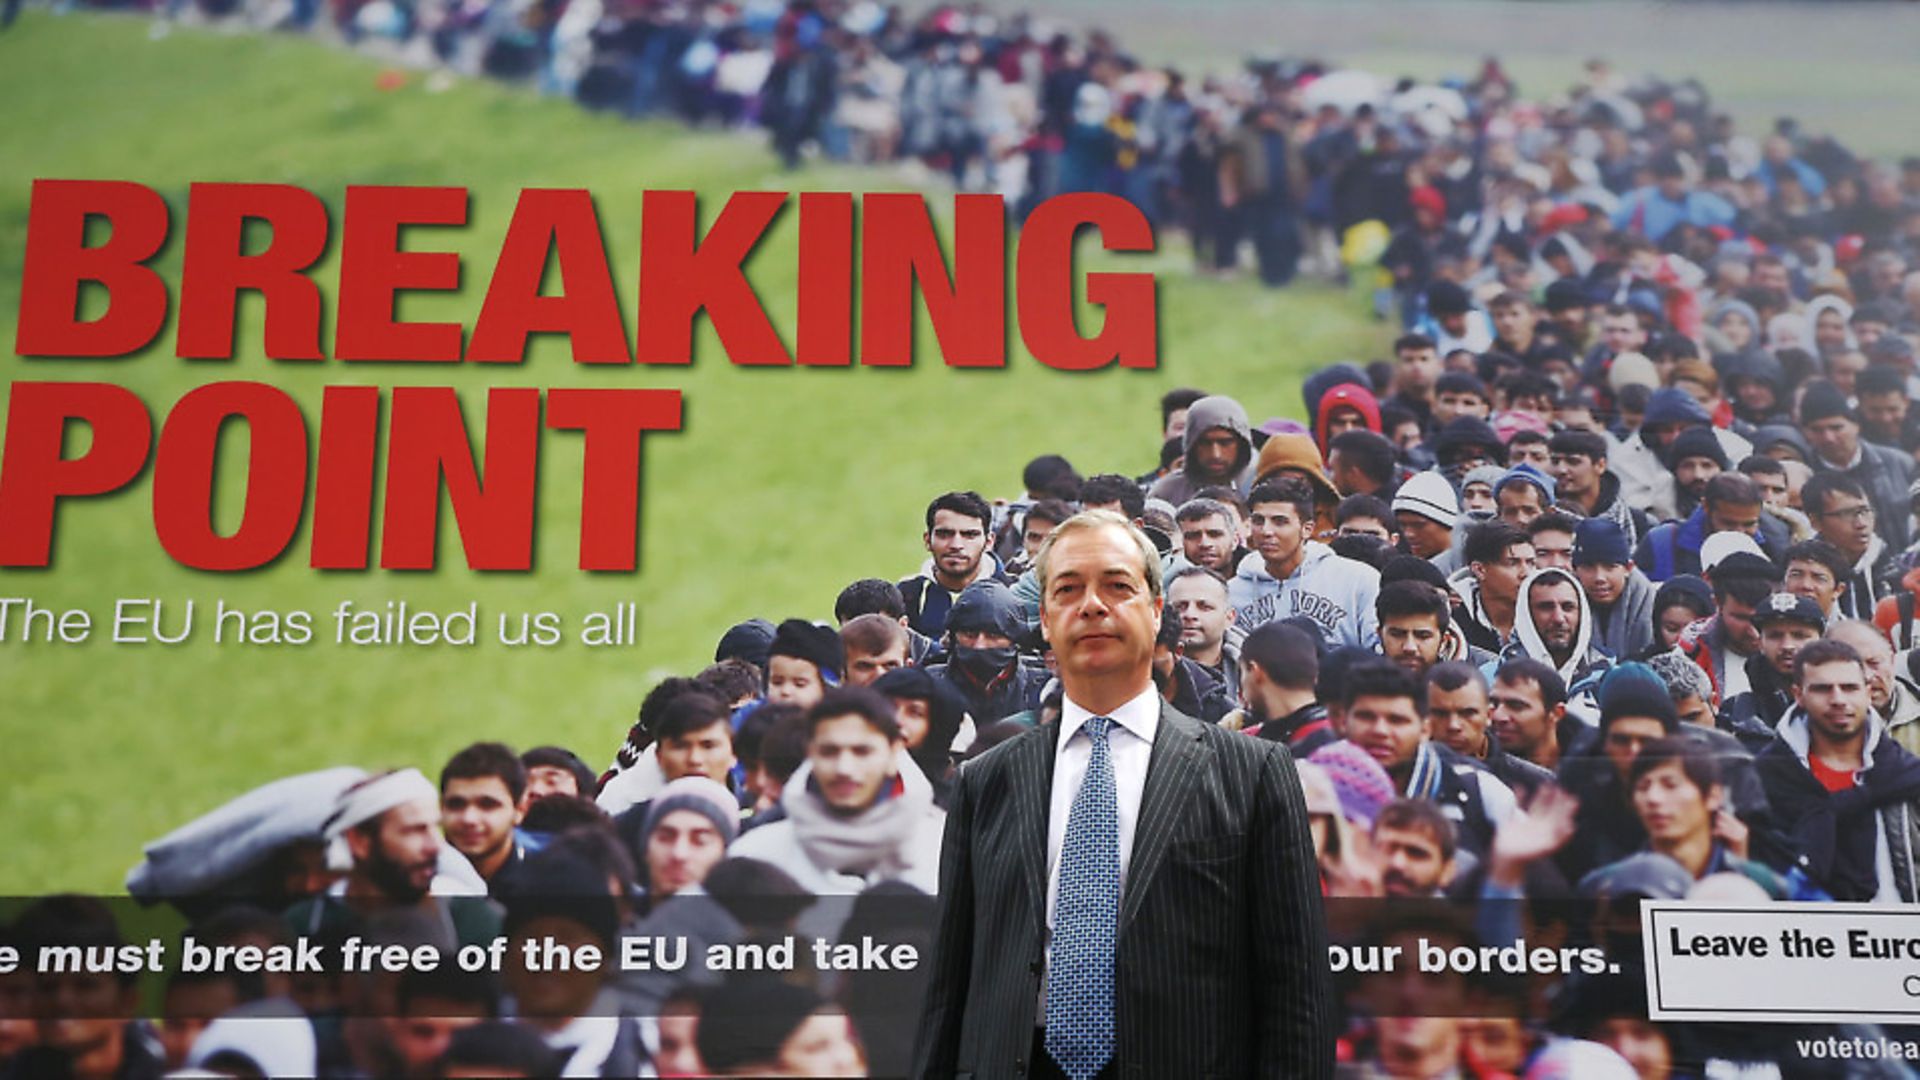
1336	592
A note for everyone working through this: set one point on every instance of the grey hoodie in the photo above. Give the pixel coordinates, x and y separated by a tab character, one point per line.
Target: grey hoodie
1218	411
1627	626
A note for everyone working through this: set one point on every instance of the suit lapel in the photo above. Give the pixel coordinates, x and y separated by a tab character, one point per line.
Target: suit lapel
1172	771
1032	793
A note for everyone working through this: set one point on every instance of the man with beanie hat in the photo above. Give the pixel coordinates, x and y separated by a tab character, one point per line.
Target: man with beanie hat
984	666
1453	322
686	832
1521	494
1844	790
746	641
1465	443
1218	451
1620	595
1694	458
803	662
1426	510
1646	483
1787	623
1635	709
1834	434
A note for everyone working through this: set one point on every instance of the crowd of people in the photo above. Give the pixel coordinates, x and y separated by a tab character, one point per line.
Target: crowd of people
1602	588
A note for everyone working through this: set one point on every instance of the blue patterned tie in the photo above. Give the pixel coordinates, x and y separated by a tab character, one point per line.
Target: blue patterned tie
1086	916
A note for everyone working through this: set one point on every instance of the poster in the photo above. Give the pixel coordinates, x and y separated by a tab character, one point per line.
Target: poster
153	668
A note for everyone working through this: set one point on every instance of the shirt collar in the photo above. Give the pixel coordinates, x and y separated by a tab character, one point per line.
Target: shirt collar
1141	716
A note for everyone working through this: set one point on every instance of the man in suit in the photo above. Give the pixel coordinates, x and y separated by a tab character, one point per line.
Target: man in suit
1127	892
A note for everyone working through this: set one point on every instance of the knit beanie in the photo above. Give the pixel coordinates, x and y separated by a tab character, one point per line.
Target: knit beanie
1429	495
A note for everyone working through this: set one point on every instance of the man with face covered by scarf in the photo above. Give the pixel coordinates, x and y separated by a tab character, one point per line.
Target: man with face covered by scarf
984	666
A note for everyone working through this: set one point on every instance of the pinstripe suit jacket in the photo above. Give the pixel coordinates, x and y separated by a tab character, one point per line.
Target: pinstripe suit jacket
1221	965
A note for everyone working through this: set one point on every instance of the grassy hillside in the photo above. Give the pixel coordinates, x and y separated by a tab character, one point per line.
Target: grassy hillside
785	484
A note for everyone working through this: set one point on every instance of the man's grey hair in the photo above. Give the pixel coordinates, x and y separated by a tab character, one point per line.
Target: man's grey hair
1683	677
1099	519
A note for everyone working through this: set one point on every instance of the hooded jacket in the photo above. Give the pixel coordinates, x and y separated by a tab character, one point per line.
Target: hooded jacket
1858	844
1583	667
1470	618
1886	474
1716	338
1626	627
1608	504
1350	396
1645	481
1335	592
1875	577
1203	416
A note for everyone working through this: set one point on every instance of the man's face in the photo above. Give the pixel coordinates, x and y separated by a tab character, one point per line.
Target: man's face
981	639
1417	369
1846	523
1626	736
706	751
1640	1042
1836	699
1459	717
402	850
1555	605
1411	641
1553	548
956	543
1529	452
1477	496
1670	622
1344	418
1884	413
1736	620
793	681
1501	578
1834	438
1521	723
545	780
1808	578
851	762
1209	542
478	814
864	668
1514	323
1277	532
1773	490
1876	654
1692	473
1742	518
1176	425
1389	729
1406	435
1425	537
1622	333
1694	710
1096	610
1671	809
1411	863
1034	532
915	718
680	851
1604	582
1454	403
1204	613
1214	456
1782	640
419	1040
1520	503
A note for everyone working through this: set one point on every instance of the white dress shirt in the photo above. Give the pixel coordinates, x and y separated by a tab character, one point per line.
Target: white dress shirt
1130	745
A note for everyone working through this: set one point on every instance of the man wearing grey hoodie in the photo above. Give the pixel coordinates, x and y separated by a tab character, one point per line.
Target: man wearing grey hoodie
1288	574
1218	446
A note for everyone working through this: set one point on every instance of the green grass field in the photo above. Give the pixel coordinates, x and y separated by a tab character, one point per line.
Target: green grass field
784	485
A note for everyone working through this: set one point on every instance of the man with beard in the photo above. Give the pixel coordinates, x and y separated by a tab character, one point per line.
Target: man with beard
1887	416
1694	457
1279	665
1458	709
1197	600
1416	627
1218	446
1209	535
483	798
1839	784
1385	712
1554	626
983	665
1730	502
1527	711
385	830
959	528
1787	624
1416	848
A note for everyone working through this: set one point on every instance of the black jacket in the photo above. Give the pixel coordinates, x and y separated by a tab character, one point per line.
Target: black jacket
1836	834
